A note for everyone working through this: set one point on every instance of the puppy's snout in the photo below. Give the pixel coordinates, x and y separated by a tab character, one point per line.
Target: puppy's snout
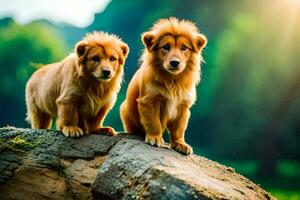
174	63
106	73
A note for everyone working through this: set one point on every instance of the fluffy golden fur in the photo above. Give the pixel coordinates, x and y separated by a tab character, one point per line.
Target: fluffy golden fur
81	89
163	89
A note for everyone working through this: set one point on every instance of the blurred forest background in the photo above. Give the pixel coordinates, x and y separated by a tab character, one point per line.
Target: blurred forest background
248	110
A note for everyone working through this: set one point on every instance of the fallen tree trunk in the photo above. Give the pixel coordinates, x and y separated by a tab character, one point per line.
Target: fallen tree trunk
41	164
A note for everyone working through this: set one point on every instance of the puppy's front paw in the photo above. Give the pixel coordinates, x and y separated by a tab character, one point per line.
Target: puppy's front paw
182	147
107	131
155	140
72	131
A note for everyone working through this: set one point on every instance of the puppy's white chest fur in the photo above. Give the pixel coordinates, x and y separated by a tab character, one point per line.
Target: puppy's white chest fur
173	101
93	104
173	98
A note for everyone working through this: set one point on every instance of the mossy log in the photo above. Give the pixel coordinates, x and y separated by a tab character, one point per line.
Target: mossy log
43	164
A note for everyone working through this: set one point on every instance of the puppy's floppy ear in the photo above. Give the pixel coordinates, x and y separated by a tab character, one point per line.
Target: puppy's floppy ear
81	48
147	39
80	51
199	42
125	49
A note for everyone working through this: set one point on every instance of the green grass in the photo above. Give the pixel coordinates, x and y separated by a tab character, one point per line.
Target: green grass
284	186
285	194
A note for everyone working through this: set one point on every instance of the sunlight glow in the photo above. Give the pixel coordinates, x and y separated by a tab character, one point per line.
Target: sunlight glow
76	12
294	4
287	13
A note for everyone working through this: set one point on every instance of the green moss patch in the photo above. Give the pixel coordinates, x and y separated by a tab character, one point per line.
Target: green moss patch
18	144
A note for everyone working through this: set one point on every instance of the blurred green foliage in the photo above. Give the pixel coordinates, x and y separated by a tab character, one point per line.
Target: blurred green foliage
284	186
22	48
286	195
248	107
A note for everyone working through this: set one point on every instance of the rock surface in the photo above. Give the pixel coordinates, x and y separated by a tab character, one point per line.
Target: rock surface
41	164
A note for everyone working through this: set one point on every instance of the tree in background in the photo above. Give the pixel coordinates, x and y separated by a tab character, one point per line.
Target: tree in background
252	89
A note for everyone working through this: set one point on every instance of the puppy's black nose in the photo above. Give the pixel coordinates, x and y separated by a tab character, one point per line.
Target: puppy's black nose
174	63
106	72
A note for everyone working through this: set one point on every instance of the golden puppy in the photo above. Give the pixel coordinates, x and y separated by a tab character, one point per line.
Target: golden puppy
79	90
164	87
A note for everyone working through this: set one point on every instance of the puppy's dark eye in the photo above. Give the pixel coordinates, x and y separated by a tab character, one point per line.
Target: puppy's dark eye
166	47
183	48
96	58
112	58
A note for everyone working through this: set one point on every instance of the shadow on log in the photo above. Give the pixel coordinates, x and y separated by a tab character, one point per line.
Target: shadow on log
41	164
